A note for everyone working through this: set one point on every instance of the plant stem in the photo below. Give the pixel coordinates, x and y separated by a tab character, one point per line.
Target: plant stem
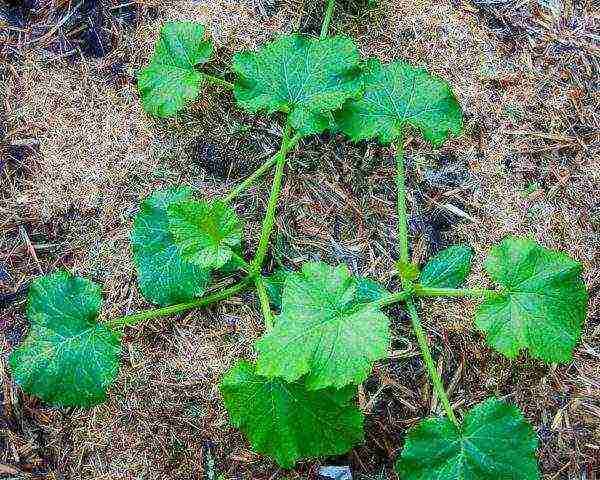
267	226
265	167
129	320
401	204
391	299
218	81
410	305
436	380
264	302
453	292
327	20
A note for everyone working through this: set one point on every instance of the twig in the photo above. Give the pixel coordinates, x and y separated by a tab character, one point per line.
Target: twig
30	248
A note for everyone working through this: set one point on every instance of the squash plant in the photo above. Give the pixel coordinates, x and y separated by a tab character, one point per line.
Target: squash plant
298	399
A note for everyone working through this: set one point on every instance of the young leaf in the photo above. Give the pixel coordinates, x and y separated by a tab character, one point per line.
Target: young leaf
164	277
67	358
543	303
301	76
320	333
368	290
494	442
449	268
170	82
207	233
407	270
288	422
399	95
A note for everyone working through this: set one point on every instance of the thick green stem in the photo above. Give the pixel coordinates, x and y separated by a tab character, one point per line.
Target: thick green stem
263	297
408	285
264	168
327	19
268	222
402	215
182	307
218	81
436	380
453	292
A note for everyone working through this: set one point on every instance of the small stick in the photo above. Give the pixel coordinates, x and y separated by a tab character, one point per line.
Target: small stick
30	248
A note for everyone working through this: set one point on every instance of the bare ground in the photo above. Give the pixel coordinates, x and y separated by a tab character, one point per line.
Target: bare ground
78	154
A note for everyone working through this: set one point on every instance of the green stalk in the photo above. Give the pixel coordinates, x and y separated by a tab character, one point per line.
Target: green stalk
453	292
265	167
327	19
410	305
401	204
129	320
252	269
391	299
268	222
436	380
218	81
264	302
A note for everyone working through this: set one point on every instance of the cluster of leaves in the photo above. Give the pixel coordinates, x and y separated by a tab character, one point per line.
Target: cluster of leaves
298	399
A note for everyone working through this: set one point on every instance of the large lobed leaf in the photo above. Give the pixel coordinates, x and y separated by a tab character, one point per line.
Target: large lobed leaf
543	303
67	358
398	95
288	422
301	76
207	232
170	82
367	290
322	333
494	442
164	276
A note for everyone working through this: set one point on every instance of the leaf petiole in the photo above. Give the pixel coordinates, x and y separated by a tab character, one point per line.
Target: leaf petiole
134	319
401	204
402	296
454	292
269	220
265	167
436	380
218	81
264	302
403	254
327	20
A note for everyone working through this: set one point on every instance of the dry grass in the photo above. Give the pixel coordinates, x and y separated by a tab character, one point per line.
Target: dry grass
79	154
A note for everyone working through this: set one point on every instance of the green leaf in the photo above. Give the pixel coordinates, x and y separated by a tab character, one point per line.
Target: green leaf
368	290
235	263
398	95
288	422
164	277
449	268
301	76
274	285
494	442
206	232
320	333
543	303
67	358
170	82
